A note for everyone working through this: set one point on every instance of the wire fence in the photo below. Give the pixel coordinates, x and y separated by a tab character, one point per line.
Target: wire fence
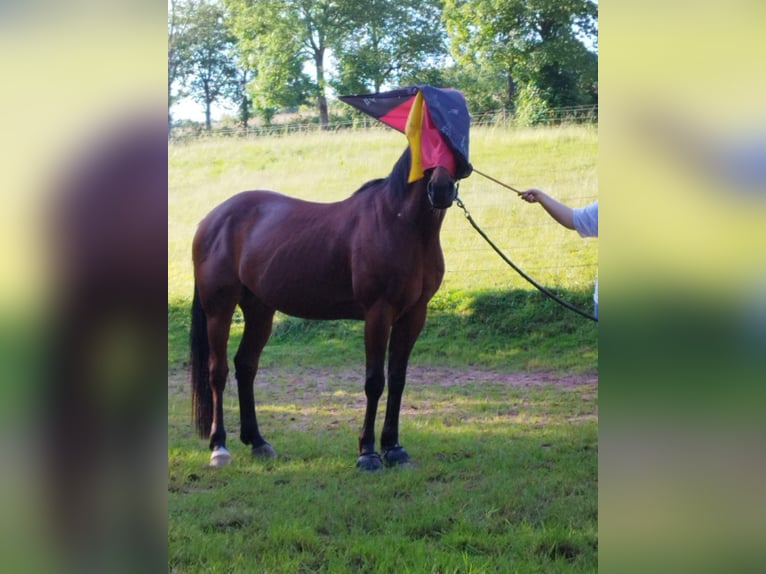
500	118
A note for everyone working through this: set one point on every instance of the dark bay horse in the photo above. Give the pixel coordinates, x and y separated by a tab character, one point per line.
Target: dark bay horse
374	256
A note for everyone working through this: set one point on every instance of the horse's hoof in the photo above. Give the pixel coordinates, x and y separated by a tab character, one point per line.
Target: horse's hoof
263	451
370	462
220	457
396	455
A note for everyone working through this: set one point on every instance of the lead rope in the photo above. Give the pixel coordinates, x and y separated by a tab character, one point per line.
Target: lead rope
515	267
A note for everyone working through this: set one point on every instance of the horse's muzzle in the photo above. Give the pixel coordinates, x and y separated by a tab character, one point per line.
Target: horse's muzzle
441	196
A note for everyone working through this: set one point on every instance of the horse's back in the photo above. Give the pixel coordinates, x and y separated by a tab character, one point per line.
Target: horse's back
228	224
292	255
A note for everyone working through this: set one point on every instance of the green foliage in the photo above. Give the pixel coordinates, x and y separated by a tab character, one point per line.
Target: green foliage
391	42
497	49
531	108
271	49
278	38
207	53
485	88
538	44
177	52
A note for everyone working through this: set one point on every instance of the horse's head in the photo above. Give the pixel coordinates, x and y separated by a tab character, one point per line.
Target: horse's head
441	188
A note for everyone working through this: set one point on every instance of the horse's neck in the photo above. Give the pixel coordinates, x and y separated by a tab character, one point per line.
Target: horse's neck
415	208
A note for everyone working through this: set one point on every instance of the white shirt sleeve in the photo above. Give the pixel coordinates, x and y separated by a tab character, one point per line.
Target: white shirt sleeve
585	220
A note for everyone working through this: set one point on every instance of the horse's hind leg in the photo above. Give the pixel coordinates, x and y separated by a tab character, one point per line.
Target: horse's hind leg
218	326
258	322
404	333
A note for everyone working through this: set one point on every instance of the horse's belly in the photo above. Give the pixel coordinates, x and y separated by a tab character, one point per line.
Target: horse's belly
313	299
312	309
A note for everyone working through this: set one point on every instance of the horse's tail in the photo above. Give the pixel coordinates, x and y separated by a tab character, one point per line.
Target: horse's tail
202	395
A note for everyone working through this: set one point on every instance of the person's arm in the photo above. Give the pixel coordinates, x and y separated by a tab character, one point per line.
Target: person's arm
557	210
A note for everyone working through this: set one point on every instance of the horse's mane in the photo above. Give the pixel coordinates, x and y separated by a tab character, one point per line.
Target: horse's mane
396	182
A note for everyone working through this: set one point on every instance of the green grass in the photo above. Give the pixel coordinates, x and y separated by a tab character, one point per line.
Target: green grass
500	410
504	480
505	330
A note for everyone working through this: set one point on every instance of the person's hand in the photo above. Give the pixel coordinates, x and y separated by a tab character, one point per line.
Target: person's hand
531	195
560	212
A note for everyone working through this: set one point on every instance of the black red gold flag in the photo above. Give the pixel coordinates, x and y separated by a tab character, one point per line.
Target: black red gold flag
435	121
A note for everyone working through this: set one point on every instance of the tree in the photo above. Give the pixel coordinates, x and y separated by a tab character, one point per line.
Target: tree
280	37
534	43
210	58
245	108
484	88
391	42
176	54
271	53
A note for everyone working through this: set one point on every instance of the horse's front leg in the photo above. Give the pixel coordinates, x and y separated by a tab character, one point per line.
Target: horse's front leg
403	336
376	331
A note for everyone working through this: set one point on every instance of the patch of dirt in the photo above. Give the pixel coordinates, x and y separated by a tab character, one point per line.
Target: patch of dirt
327	379
457	376
327	399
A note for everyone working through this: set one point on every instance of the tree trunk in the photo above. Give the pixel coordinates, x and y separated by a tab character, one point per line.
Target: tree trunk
244	112
208	125
324	118
511	92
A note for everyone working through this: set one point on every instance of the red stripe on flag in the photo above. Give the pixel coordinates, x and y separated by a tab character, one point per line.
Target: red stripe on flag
397	117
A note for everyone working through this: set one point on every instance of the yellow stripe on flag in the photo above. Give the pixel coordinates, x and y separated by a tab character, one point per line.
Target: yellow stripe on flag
413	131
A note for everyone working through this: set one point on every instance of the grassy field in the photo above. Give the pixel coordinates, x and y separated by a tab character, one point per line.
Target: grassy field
500	410
485	313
